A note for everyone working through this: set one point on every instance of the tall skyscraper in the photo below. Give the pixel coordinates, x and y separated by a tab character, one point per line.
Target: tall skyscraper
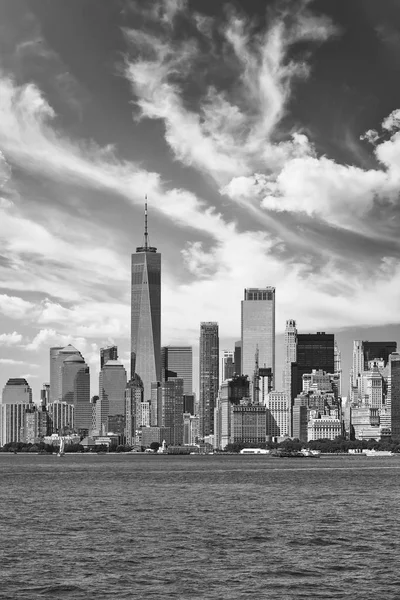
258	329
133	400
75	387
238	357
177	361
394	393
209	376
108	353
172	409
54	374
314	351
146	314
111	403
16	398
290	353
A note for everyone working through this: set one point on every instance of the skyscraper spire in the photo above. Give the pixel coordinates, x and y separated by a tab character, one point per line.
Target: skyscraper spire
146	235
146	247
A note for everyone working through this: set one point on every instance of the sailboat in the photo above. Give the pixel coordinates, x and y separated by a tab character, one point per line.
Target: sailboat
61	451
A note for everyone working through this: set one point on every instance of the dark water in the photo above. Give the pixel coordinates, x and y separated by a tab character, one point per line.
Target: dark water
99	527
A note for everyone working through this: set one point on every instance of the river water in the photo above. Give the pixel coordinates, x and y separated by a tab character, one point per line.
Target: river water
232	527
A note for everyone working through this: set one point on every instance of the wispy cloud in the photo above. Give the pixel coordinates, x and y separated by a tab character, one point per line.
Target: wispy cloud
10	339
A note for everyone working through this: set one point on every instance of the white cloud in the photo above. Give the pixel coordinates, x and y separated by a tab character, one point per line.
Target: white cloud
10	339
16	308
50	337
13	362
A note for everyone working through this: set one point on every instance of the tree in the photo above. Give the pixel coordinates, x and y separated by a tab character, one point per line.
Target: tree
155	446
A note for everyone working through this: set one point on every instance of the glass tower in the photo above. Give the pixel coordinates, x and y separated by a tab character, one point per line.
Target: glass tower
209	376
258	329
146	314
177	361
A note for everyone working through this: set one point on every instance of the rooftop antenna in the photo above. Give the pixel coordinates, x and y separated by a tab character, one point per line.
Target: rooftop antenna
146	235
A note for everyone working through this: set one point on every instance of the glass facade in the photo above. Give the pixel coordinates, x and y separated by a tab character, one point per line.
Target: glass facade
209	376
314	351
146	317
258	329
177	361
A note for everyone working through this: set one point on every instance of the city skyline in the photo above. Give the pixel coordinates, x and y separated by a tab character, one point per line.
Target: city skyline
83	140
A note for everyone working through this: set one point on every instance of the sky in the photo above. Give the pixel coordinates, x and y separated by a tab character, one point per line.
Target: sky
265	134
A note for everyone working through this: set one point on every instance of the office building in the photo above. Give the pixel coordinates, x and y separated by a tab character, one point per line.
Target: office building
394	393
177	361
248	424
190	429
108	353
232	392
189	403
146	314
16	398
209	376
314	351
323	427
258	330
278	414
111	403
61	417
172	409
75	387
238	357
227	365
133	400
36	423
54	393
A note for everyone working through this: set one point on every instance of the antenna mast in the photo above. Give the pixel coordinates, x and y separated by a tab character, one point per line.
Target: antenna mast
146	235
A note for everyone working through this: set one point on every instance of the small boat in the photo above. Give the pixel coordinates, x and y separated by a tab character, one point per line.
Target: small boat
61	450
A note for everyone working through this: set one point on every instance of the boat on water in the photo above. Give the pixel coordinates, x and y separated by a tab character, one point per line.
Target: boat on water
296	454
377	453
61	450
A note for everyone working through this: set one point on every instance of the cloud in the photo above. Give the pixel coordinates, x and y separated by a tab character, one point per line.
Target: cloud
10	339
229	132
12	362
46	338
16	308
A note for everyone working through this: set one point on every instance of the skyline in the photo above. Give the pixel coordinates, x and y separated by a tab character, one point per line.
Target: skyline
251	181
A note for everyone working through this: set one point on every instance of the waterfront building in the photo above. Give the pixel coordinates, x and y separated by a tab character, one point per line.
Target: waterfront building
365	422
16	398
248	424
61	417
315	351
394	393
108	353
172	409
366	353
258	329
323	427
111	403
300	419
232	392
155	434
177	361
36	423
190	429
277	414
146	314
209	376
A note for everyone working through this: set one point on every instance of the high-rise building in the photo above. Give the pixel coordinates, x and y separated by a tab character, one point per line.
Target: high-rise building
232	392
394	393
146	314
314	351
227	365
61	417
209	376
17	391
133	400
177	361
111	403
108	353
75	388
258	329
16	398
172	409
54	394
189	403
238	357
289	358
338	366
365	353
278	414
